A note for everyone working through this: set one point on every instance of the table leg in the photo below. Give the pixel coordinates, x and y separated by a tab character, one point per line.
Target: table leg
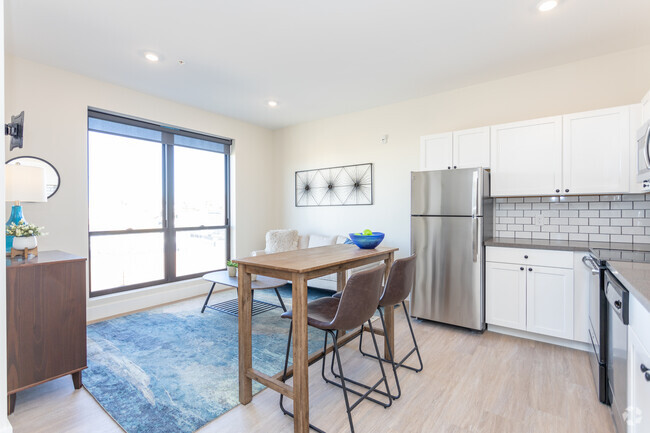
340	281
300	355
389	314
205	304
76	380
245	335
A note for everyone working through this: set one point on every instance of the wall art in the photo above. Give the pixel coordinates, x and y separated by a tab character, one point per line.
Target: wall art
349	185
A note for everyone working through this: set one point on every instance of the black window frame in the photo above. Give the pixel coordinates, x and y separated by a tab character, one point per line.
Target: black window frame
168	228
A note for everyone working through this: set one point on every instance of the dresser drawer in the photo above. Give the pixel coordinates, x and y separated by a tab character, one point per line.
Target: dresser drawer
530	256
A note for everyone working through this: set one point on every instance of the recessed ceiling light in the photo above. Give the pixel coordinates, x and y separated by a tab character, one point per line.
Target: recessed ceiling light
273	103
547	5
151	57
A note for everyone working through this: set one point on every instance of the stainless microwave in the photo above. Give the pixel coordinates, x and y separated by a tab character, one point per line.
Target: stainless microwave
643	154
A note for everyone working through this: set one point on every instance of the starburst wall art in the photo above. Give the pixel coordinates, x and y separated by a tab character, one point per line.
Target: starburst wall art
349	185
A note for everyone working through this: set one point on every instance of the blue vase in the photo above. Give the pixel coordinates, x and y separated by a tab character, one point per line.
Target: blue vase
16	217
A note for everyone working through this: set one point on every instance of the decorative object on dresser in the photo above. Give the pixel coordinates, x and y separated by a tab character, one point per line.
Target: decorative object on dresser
24	239
46	320
335	186
26	184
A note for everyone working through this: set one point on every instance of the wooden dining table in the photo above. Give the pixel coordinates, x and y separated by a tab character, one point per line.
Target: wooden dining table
298	266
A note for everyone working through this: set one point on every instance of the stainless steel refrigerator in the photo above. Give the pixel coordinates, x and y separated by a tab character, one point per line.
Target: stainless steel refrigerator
451	216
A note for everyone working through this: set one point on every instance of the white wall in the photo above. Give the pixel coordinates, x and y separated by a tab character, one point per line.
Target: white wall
5	427
55	104
616	79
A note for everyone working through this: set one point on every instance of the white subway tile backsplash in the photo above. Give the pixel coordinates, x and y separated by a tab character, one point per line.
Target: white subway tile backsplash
638	213
621	205
579	221
599	205
633	230
606	218
633	197
613	230
610	213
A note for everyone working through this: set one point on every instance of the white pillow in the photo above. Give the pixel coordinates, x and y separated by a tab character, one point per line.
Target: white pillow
321	241
278	241
303	242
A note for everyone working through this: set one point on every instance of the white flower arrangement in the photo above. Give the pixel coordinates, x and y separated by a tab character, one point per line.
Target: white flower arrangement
23	229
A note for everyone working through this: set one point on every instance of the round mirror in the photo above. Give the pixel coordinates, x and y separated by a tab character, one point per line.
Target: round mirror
52	178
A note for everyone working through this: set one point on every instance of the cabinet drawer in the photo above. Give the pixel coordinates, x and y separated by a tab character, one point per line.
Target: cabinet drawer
530	256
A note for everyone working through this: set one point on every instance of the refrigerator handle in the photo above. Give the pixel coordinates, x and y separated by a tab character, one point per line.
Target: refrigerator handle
475	238
475	193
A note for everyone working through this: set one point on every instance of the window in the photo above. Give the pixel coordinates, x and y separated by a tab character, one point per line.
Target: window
158	201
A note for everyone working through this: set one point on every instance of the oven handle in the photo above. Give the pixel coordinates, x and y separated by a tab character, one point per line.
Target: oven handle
589	262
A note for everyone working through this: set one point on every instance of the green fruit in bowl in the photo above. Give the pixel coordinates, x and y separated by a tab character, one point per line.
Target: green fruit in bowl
367	232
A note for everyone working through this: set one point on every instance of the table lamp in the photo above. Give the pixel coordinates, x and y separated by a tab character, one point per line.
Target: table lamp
22	184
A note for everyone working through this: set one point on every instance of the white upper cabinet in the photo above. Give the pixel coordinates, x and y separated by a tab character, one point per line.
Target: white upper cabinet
460	149
436	151
527	157
645	108
471	148
596	152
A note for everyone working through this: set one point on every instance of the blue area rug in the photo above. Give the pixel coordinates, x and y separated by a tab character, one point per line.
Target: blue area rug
173	369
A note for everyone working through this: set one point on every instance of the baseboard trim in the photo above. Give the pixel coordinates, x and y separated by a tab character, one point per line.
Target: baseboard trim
585	347
118	304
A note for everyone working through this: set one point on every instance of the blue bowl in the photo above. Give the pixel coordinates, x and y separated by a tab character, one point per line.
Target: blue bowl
367	242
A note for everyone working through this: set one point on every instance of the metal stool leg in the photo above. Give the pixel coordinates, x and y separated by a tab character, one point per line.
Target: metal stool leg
415	348
208	298
370	389
280	299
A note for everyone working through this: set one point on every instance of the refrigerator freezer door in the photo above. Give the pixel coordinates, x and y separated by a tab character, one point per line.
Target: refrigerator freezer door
449	282
448	192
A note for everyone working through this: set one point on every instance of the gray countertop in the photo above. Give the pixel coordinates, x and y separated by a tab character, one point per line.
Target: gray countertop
635	277
563	245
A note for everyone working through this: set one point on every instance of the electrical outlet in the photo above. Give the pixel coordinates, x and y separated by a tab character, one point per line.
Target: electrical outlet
383	139
539	220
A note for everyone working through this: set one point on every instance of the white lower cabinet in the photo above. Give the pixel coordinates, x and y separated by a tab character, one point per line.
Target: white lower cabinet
530	297
638	412
549	301
505	295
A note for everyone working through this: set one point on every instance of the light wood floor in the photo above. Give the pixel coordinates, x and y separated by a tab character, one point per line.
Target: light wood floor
471	383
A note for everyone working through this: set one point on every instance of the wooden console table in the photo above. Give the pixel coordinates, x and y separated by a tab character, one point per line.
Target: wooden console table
46	320
298	266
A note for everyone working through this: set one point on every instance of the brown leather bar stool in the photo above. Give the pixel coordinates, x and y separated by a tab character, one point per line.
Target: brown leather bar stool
353	309
398	287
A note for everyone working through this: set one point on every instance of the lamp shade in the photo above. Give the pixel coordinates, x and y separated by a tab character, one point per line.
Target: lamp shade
25	183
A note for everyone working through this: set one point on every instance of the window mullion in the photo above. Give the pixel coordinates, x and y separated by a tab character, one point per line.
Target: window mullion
170	238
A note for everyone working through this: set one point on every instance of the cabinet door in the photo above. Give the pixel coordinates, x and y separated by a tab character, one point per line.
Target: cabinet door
596	151
435	152
638	411
526	157
505	295
550	301
472	148
582	277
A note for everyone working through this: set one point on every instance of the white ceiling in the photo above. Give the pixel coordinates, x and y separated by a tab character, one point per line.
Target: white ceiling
316	58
